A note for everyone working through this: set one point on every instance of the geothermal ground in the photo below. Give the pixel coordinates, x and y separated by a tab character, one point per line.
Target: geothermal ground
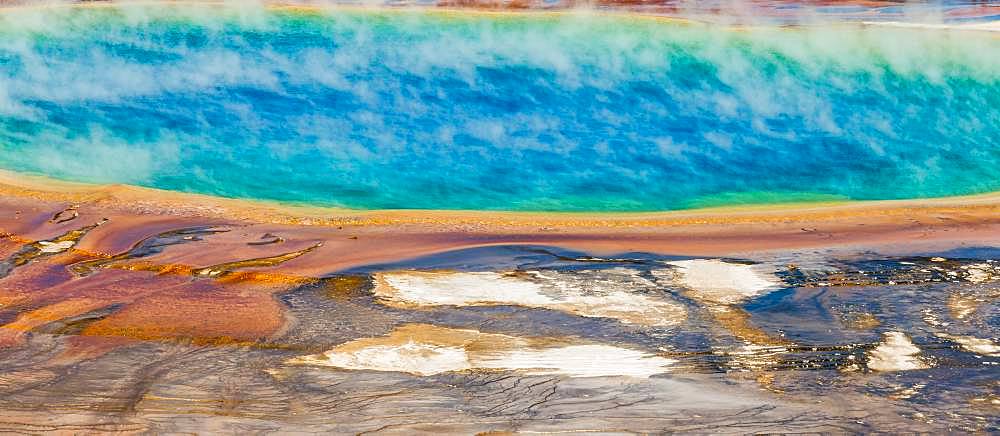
124	311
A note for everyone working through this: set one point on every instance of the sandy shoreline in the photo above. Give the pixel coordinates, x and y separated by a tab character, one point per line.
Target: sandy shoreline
354	238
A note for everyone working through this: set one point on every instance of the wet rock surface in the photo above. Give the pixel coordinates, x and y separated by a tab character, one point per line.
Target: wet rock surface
131	342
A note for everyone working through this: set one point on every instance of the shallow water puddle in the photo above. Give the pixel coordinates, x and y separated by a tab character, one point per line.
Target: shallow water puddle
896	353
44	248
428	350
719	282
616	293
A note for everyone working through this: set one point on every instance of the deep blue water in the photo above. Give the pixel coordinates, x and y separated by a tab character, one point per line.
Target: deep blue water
442	111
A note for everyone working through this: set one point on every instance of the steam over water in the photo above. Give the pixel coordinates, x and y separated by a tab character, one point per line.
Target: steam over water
434	110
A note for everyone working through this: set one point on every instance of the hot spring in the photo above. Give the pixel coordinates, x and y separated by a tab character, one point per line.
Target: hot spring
576	111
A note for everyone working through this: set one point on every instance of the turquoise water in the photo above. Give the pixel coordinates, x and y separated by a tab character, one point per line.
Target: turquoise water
429	110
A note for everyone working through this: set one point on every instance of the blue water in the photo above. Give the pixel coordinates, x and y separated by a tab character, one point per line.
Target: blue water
441	111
